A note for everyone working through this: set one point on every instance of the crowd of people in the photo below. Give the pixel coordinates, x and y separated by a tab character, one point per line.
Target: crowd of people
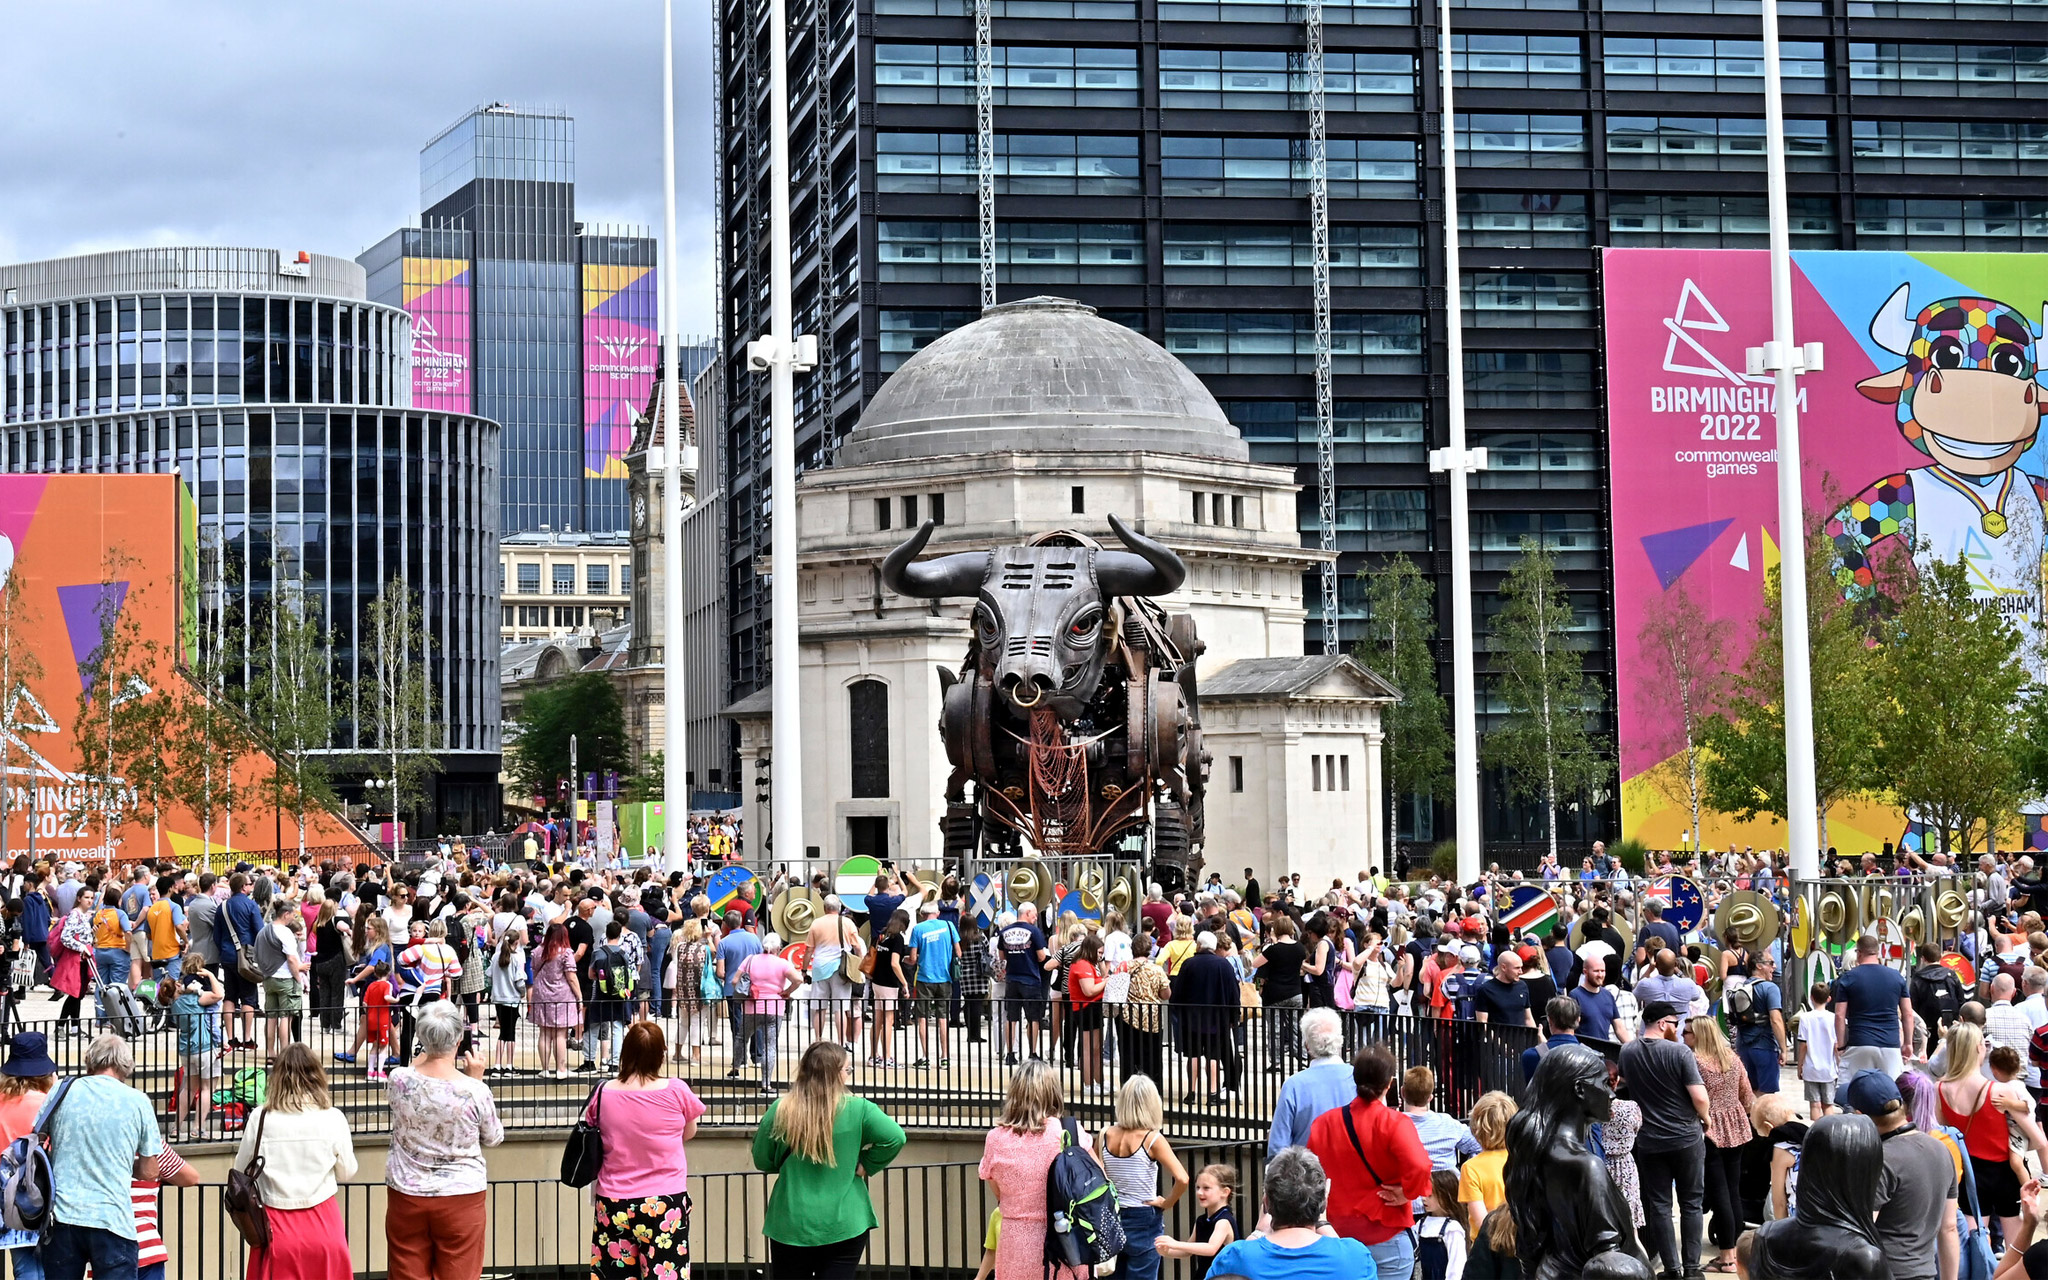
419	979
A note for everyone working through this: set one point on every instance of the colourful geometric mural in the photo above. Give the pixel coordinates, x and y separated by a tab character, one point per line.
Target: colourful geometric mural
58	536
1924	420
620	346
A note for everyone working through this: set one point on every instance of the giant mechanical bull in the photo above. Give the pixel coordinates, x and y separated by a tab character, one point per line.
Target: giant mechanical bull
1074	715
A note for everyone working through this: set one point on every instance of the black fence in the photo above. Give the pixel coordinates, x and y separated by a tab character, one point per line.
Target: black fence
1219	1069
931	1223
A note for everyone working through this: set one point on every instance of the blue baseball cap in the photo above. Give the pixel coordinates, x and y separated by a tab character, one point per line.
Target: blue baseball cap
1872	1093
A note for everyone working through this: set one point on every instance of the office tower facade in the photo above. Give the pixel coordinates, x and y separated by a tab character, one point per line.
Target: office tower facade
523	315
1153	159
283	397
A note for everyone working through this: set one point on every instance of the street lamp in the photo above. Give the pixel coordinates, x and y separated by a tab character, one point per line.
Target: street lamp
387	788
1784	361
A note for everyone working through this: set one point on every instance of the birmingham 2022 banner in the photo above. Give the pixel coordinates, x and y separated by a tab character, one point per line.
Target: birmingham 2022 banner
1924	422
620	345
436	294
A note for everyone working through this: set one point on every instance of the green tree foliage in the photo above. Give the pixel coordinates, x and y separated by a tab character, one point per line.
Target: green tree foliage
20	669
645	786
292	704
586	705
1686	682
1745	766
398	705
1401	645
1949	746
114	727
1543	747
210	735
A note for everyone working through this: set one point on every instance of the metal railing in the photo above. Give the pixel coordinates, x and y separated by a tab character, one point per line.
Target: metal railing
1246	1054
931	1222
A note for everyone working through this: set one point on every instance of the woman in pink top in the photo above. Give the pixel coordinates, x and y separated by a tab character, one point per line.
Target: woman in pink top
25	1083
1020	1149
768	980
640	1226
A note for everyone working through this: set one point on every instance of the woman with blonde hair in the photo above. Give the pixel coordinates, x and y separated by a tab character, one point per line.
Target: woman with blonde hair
305	1150
1132	1151
823	1142
1013	1162
1729	1099
1176	952
1977	1106
1482	1179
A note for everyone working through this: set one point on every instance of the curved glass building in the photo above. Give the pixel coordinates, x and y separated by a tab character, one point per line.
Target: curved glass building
284	398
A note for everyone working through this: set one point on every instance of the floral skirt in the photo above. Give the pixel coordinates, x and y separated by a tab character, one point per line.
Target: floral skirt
648	1237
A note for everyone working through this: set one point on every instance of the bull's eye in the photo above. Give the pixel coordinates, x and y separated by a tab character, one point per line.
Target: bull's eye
2006	359
1947	354
984	623
1084	626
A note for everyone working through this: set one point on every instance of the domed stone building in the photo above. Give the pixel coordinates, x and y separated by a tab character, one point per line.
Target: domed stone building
1039	416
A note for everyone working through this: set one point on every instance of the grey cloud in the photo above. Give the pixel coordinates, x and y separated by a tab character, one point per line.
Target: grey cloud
298	125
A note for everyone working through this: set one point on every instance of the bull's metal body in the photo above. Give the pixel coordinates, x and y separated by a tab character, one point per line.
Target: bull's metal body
1074	717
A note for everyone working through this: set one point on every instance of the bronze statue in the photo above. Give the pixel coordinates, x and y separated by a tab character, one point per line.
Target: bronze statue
1829	1236
1570	1218
1074	716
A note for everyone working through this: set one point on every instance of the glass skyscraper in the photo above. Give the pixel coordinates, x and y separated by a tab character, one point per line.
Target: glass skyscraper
523	316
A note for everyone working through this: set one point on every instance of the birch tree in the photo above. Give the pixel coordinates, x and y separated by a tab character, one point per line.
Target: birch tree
1951	747
293	704
1682	648
399	699
1401	645
20	670
1745	763
1543	746
114	687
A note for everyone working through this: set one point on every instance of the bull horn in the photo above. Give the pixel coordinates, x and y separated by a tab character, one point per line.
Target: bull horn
1893	326
954	575
1155	569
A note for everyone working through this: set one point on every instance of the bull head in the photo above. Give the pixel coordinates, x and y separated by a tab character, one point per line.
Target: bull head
1966	395
1039	620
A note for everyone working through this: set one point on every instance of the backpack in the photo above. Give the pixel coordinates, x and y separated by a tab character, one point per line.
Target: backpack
25	1183
269	954
247	1086
1082	1223
610	978
1744	1009
1941	998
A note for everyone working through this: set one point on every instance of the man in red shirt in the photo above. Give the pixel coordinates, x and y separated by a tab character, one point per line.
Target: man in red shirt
1160	914
1371	1198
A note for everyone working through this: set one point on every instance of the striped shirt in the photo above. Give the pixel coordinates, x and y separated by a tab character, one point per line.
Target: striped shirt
149	1241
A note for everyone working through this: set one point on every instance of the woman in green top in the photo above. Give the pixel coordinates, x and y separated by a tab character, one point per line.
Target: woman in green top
824	1142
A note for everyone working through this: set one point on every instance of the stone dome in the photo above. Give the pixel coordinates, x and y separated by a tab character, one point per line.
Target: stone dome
1042	374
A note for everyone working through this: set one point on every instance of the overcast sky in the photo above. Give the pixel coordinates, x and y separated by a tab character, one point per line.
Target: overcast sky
298	125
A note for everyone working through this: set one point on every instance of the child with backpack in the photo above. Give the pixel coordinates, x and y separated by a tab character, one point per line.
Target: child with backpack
1816	1051
190	1001
1217	1225
1440	1237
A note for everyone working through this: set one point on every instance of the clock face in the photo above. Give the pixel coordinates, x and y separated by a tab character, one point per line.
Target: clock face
640	510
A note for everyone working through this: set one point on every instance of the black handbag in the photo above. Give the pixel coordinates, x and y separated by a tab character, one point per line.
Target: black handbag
244	1196
583	1154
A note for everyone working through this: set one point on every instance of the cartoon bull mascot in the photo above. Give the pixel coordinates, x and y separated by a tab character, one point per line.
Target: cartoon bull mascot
1966	397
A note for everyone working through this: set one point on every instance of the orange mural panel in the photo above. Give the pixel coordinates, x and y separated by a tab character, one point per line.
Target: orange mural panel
79	544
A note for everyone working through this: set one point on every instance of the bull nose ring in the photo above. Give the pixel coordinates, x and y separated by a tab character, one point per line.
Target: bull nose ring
1017	693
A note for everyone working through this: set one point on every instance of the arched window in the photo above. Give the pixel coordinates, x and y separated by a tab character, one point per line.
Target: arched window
868	702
